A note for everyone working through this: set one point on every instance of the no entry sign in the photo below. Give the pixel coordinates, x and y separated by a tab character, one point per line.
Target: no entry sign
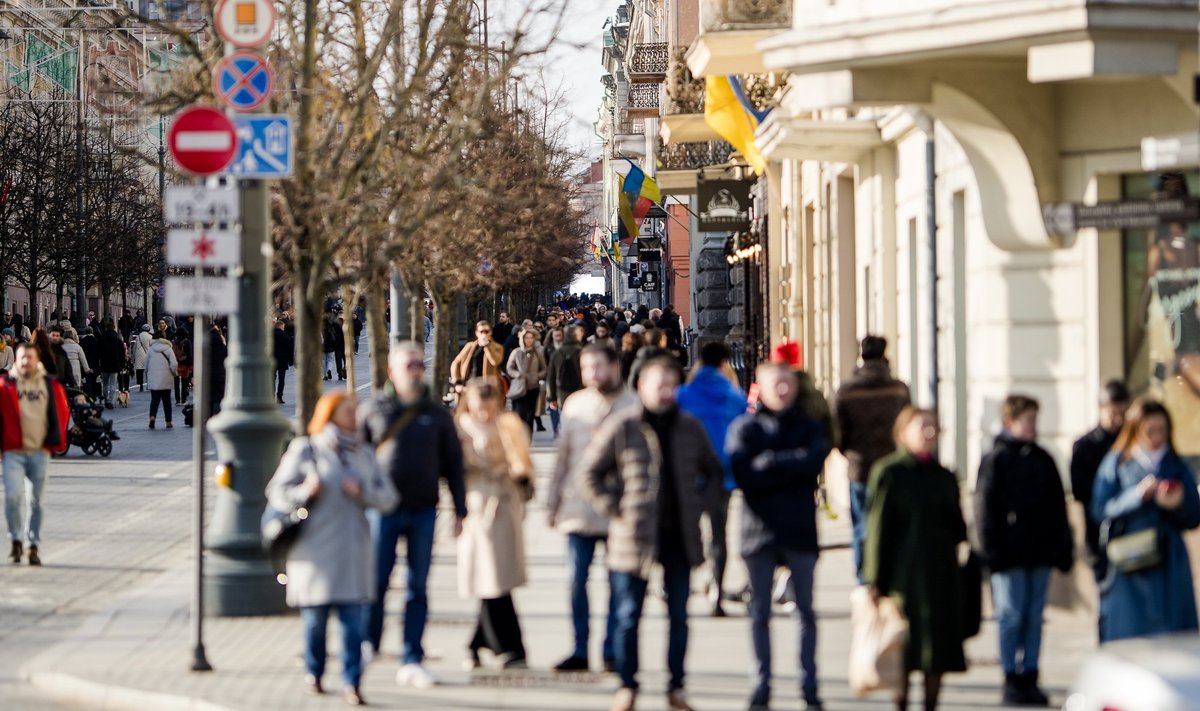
202	140
242	80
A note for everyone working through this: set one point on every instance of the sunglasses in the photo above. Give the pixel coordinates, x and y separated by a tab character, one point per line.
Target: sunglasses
483	332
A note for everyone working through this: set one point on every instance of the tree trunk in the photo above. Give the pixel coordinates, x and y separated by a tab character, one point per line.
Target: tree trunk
349	296
377	335
309	364
444	341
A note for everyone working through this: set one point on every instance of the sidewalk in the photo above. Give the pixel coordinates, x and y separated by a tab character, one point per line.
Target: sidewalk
137	655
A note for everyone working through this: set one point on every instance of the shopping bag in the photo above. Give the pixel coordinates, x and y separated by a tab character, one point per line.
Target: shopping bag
877	636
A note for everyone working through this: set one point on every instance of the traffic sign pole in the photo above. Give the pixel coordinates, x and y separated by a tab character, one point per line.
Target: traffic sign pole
249	431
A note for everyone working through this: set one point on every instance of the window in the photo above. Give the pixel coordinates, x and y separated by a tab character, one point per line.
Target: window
1161	275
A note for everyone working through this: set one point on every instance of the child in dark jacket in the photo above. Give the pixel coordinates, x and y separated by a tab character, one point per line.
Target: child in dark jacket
1021	515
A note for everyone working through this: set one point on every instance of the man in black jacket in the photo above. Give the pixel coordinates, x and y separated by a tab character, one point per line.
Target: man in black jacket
1087	454
866	407
1021	514
563	375
776	455
417	444
112	361
283	350
91	350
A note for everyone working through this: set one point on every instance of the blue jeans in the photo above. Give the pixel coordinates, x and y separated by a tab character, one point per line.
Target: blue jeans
417	528
631	594
858	519
20	469
315	620
581	550
555	419
761	570
1019	595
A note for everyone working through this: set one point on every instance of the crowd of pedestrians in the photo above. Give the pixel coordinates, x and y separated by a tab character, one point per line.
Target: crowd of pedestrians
649	456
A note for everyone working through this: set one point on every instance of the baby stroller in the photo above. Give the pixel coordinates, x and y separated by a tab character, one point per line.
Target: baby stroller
89	430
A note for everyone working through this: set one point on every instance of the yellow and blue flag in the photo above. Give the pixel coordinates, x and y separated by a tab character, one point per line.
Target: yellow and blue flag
639	193
728	111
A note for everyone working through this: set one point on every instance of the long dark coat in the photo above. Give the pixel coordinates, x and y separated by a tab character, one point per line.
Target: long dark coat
914	526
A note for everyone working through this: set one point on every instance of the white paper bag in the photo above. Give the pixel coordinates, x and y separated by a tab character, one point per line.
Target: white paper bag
878	633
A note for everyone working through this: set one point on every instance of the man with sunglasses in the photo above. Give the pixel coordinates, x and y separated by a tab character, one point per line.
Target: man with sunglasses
416	442
481	358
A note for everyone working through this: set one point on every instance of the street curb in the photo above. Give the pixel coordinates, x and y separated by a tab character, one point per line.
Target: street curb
106	697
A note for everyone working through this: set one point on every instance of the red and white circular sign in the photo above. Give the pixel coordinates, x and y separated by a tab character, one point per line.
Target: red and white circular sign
202	140
245	23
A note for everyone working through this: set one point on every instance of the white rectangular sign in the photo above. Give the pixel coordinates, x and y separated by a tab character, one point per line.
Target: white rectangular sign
202	295
203	248
200	205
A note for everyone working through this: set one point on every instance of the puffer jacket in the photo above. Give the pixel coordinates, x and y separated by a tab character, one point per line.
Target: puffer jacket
621	478
161	365
582	415
141	349
77	359
529	366
866	408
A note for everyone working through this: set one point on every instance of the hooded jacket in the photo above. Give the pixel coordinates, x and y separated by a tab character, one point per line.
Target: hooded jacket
563	376
141	348
714	400
161	365
57	414
77	358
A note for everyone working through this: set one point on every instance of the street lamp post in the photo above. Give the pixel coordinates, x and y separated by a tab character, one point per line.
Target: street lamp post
249	433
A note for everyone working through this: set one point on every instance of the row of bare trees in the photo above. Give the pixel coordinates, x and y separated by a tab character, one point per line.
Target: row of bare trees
416	150
73	201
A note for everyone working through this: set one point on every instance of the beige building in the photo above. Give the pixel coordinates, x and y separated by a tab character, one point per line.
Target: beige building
911	154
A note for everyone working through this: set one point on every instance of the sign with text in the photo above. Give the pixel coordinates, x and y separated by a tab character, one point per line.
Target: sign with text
200	205
245	23
1067	217
724	205
202	294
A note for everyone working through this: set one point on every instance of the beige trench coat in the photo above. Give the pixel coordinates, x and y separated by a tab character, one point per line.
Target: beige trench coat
491	550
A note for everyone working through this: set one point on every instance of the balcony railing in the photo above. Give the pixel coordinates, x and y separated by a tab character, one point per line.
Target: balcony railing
643	101
722	15
648	65
630	128
685	94
693	156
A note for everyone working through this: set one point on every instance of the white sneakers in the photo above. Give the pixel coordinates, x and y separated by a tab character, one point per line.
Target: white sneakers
415	675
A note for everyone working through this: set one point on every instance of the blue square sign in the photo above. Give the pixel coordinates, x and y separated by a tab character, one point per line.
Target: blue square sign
264	146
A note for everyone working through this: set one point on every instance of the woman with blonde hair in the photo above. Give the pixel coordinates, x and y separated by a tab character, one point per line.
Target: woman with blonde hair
329	567
491	550
1145	498
914	526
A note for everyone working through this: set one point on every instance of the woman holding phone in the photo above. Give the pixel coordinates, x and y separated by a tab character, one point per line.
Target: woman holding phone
1145	498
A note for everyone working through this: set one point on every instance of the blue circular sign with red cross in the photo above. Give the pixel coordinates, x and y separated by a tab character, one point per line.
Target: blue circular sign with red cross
242	81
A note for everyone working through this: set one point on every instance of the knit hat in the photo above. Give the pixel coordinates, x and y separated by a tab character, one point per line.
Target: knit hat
146	327
788	352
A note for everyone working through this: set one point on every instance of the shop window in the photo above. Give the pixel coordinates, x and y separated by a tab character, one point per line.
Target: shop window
1161	312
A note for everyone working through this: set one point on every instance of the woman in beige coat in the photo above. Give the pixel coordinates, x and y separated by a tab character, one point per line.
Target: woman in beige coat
491	550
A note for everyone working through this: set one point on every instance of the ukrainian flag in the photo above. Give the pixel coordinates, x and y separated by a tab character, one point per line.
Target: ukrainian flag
639	193
729	112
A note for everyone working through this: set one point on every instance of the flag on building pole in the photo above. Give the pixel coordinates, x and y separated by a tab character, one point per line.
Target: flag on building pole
639	193
596	240
728	111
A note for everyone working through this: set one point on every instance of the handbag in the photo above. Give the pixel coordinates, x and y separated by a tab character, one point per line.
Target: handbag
516	389
281	529
972	582
877	633
1133	552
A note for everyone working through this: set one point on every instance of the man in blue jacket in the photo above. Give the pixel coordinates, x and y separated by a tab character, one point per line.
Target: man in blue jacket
417	444
716	401
777	454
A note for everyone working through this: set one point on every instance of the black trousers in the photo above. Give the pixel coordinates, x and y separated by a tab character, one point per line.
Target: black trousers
339	358
498	629
141	378
525	407
280	377
163	397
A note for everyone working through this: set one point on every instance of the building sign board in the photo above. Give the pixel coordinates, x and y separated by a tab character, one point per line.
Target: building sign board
724	205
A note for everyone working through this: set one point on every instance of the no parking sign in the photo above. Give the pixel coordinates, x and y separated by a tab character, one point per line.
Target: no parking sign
242	81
